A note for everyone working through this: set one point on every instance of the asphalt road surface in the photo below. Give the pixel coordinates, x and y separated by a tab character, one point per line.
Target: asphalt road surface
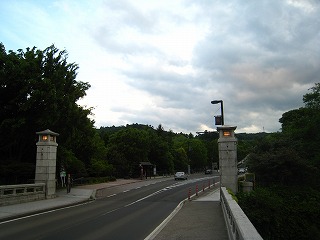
131	211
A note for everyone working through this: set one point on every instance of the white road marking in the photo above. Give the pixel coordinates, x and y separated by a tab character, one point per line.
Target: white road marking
112	195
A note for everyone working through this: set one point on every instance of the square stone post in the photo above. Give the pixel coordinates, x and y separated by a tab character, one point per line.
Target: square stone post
46	161
228	158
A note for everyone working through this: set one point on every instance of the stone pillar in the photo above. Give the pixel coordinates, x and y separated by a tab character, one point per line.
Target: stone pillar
46	161
228	158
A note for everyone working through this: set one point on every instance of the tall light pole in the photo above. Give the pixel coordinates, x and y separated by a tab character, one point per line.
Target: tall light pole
221	102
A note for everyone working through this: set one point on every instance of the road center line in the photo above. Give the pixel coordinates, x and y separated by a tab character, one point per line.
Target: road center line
111	195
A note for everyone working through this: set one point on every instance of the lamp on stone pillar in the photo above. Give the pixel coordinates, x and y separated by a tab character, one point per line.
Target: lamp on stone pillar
46	161
219	120
227	144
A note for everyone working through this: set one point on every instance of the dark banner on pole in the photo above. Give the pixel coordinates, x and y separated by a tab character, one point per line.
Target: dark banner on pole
218	120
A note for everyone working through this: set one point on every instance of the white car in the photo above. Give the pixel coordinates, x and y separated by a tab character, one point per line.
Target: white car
180	176
242	170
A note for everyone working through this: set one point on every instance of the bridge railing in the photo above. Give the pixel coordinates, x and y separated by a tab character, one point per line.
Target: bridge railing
238	225
13	194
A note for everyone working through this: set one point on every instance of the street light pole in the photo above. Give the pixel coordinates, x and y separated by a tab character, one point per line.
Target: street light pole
221	102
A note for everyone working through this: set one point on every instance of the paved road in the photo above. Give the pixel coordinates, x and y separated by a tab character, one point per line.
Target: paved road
127	212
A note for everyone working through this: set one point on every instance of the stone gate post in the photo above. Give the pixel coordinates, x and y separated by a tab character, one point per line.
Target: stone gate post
46	161
228	157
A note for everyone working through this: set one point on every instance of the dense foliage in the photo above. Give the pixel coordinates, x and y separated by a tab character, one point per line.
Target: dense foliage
285	203
129	145
282	212
38	90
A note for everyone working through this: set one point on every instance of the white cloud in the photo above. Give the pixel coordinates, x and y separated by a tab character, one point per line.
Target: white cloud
155	62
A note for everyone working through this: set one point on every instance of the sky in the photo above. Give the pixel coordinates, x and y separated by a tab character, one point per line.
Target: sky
163	62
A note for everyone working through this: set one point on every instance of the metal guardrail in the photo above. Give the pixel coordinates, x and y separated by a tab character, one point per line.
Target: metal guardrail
12	194
238	225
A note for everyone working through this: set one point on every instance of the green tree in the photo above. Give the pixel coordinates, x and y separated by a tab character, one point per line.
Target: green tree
160	153
274	161
210	140
284	204
126	149
312	99
279	212
180	160
197	155
302	125
38	90
181	147
195	149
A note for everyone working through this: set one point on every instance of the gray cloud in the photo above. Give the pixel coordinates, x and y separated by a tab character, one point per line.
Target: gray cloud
267	55
259	57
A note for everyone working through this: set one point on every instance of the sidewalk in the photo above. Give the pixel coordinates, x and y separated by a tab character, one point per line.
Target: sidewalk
199	218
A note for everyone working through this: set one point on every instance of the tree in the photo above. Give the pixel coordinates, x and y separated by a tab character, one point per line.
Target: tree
274	161
38	90
303	124
180	159
197	155
312	99
284	204
160	150
210	140
126	149
195	149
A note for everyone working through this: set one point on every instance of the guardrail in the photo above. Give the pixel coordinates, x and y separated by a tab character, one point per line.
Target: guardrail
238	225
13	194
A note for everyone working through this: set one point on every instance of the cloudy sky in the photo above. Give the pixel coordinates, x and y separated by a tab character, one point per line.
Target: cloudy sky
163	62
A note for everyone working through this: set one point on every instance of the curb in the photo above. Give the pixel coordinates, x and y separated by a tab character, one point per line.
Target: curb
158	229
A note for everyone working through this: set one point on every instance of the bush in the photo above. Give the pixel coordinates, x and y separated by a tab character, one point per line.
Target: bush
93	180
283	212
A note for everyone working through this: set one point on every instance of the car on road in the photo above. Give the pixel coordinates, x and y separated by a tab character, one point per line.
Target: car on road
208	171
180	176
242	170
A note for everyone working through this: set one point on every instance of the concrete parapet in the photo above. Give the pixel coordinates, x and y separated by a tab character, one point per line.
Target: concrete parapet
14	194
238	225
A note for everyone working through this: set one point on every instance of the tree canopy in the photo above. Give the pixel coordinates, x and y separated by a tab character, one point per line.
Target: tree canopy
39	90
285	203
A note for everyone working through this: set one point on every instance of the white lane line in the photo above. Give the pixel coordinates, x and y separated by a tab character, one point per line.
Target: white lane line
42	213
111	211
139	200
111	195
150	195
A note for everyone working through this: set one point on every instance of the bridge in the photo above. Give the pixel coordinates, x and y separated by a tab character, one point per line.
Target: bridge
238	225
